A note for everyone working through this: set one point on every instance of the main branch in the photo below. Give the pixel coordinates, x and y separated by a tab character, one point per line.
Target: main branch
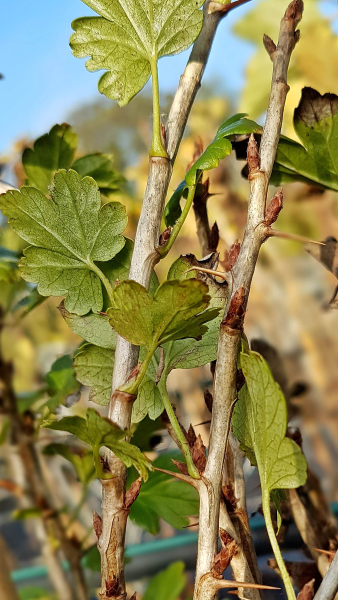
232	325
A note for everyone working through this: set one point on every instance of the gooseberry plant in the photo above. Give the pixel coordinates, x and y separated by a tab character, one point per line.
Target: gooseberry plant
137	330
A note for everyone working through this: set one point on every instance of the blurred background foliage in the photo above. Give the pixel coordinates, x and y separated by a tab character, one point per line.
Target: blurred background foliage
289	301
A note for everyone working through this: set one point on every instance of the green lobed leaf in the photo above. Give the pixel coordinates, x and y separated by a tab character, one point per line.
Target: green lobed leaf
80	458
68	232
128	38
173	312
101	168
94	368
163	497
93	328
53	151
98	431
260	422
168	584
187	353
221	147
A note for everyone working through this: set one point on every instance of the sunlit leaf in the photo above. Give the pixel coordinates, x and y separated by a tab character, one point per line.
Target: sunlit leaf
221	146
128	38
53	151
68	233
177	310
93	328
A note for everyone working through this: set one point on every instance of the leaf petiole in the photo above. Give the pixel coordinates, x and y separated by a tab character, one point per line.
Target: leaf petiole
157	144
184	447
104	280
164	250
275	546
132	387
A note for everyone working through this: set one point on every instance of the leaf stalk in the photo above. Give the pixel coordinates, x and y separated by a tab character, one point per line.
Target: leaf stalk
157	148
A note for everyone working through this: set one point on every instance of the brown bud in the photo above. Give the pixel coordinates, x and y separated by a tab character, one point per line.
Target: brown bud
132	493
164	237
191	436
295	11
134	596
308	591
198	454
236	312
182	467
254	163
274	208
233	254
208	399
97	523
224	557
269	45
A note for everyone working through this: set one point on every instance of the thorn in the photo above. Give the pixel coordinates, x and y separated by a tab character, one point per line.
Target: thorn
180	476
203	423
269	45
191	525
290	236
225	583
330	553
210	272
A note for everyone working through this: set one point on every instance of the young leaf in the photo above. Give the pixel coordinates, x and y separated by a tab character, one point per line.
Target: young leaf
164	497
168	584
260	422
187	353
68	232
173	211
98	431
93	328
173	313
101	168
220	147
80	458
129	37
94	367
53	151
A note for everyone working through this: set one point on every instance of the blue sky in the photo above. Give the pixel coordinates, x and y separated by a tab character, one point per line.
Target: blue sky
43	82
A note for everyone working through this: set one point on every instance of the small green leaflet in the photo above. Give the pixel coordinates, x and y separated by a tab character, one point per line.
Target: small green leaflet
68	232
168	584
56	150
94	367
163	497
260	421
221	146
53	151
130	36
187	353
101	168
80	458
176	311
217	150
98	431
